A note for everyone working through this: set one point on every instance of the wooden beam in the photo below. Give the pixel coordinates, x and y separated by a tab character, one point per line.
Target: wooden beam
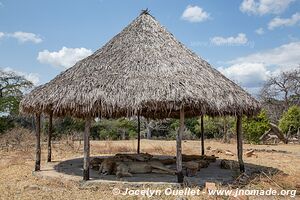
86	149
239	136
179	148
139	133
49	137
38	142
202	135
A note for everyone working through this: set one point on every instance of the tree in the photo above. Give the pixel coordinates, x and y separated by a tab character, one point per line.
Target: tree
280	92
66	125
290	121
12	87
211	128
127	128
114	129
217	127
255	127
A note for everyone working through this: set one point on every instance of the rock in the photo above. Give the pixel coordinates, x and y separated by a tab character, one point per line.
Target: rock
191	168
229	164
229	153
187	158
250	153
202	164
208	148
210	186
211	158
192	165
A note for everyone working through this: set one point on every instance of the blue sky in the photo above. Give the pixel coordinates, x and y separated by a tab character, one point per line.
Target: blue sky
247	40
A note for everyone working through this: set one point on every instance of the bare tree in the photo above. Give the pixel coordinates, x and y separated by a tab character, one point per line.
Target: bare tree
280	92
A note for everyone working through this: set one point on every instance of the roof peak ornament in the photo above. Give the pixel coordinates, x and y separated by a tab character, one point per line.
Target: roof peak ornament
145	12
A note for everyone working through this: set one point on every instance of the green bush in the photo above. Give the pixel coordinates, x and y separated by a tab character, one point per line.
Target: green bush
114	129
65	125
290	120
132	134
255	127
6	123
211	129
191	124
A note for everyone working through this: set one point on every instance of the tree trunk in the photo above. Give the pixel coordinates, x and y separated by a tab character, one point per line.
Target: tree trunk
239	135
288	134
49	138
139	133
123	135
178	148
298	134
38	142
202	135
226	138
149	134
278	132
86	149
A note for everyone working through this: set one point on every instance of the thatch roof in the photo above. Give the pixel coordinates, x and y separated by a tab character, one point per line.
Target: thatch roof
143	68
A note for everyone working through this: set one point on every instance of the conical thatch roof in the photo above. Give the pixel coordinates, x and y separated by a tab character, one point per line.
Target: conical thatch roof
142	68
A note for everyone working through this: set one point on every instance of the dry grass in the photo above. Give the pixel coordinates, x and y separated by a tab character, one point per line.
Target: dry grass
17	181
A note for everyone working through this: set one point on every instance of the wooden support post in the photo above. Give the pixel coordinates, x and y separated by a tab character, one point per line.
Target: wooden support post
86	149
38	142
239	136
179	149
202	136
139	133
49	137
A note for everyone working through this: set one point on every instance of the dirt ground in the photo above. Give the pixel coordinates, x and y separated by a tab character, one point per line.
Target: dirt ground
17	181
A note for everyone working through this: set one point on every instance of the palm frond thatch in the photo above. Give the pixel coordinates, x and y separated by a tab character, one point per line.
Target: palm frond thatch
142	69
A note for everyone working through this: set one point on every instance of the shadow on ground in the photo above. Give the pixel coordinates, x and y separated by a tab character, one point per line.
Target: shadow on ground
213	173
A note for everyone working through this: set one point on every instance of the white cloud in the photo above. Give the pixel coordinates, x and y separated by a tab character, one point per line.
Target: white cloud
260	31
33	77
277	21
247	74
22	36
240	39
195	14
66	57
285	56
262	7
26	37
253	70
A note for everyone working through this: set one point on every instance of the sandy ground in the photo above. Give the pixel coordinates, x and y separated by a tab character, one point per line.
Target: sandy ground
17	181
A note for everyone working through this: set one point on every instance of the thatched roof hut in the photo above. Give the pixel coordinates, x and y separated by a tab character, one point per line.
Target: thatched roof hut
143	68
144	71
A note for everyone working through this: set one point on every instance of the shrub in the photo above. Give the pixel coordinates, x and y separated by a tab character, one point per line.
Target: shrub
290	120
6	123
255	127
